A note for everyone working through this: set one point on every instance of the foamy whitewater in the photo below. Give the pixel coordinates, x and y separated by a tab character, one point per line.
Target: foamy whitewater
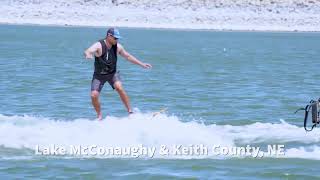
27	132
262	15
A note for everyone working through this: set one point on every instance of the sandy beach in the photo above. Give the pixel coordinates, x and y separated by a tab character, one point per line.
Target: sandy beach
261	15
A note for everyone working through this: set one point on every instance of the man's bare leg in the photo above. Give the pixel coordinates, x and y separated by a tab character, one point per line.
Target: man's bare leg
124	97
96	104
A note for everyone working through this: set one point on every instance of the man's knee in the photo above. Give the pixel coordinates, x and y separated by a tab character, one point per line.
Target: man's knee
118	86
94	94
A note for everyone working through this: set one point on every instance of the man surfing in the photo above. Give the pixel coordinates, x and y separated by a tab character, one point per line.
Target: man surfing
105	54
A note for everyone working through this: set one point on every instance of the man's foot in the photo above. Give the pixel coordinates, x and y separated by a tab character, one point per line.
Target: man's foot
99	117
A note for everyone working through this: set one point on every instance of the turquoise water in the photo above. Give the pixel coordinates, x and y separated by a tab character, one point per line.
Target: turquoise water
220	88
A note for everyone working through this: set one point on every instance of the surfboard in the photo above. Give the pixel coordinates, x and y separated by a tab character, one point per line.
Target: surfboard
162	110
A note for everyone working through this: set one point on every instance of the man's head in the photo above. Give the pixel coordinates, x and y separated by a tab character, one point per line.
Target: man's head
113	35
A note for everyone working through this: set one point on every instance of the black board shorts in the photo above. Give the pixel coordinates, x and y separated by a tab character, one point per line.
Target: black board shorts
98	81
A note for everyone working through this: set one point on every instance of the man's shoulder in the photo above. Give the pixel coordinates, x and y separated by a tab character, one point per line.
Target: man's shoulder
98	44
119	45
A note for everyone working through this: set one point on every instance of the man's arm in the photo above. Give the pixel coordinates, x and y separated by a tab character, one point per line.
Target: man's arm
131	58
92	50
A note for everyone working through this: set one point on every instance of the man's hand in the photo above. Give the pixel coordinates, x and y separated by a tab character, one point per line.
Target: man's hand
88	55
146	65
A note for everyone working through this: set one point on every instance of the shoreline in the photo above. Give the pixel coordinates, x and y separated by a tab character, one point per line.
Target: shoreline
157	28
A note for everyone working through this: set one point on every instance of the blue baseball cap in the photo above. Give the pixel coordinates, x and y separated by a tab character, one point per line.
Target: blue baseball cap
114	32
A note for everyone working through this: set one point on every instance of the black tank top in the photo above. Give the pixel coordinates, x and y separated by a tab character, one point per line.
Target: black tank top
107	63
